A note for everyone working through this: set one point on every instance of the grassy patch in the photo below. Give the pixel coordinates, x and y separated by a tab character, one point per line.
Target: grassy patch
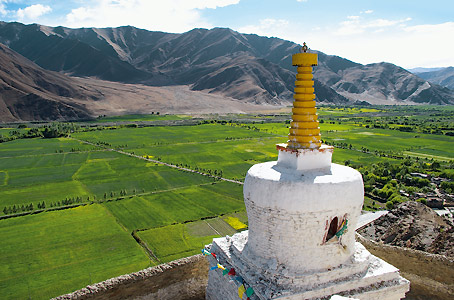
177	206
139	118
48	254
174	241
235	223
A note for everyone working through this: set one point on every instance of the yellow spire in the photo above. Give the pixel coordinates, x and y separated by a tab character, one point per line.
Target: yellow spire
304	130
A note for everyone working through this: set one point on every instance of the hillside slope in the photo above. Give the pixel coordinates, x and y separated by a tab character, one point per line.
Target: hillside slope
28	92
443	77
258	68
413	225
384	83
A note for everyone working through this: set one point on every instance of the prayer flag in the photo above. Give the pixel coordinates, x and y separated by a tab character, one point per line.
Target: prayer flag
214	255
221	267
239	279
214	268
249	292
224	272
232	272
241	291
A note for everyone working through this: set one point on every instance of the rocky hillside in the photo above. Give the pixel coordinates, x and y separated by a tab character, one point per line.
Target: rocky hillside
28	92
243	66
384	83
443	77
413	225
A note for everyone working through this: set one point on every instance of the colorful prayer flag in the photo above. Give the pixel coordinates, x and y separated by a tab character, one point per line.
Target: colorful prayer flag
241	291
221	267
239	279
232	272
249	292
224	272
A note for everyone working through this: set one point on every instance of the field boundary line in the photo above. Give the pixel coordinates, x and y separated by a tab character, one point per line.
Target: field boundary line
209	225
145	246
5	180
423	155
158	162
57	153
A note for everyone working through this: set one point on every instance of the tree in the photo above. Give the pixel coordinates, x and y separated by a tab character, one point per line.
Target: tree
389	205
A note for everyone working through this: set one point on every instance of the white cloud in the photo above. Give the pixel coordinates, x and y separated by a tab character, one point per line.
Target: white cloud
357	25
169	15
301	0
369	11
33	11
384	23
407	46
3	11
371	40
267	27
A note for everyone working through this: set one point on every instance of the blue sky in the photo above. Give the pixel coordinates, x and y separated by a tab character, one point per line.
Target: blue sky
408	33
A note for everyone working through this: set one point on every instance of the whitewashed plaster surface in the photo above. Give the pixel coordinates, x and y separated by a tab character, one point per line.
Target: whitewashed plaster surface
289	213
291	204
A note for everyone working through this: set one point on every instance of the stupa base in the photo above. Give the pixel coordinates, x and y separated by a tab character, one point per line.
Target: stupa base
364	276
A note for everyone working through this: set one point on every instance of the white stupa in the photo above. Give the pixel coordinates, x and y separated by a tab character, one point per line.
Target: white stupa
302	212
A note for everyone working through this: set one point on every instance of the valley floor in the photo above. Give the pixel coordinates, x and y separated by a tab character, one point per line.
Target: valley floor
119	197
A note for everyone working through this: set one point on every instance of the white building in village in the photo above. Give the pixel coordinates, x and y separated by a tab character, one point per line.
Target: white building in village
302	212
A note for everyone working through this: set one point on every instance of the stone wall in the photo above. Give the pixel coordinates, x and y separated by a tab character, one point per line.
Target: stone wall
185	278
431	276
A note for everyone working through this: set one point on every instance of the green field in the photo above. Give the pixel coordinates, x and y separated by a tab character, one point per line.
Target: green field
140	118
123	194
52	177
177	206
179	240
171	212
53	253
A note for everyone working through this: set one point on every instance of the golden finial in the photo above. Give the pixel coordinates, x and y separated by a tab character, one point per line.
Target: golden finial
304	129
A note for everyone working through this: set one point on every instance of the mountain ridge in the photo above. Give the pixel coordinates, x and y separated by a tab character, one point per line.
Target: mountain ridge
443	77
29	92
246	67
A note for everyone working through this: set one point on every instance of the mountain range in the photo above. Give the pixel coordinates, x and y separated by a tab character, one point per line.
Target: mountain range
243	67
28	92
31	93
444	77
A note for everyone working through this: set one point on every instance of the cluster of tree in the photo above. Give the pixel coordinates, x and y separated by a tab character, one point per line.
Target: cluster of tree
448	186
211	172
68	201
122	193
58	129
231	123
7	210
435	123
391	183
101	143
53	130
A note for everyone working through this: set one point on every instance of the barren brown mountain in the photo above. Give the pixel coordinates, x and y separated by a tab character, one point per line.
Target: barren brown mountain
207	67
28	92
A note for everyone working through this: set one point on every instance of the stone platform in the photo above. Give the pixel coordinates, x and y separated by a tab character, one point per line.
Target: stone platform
363	276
